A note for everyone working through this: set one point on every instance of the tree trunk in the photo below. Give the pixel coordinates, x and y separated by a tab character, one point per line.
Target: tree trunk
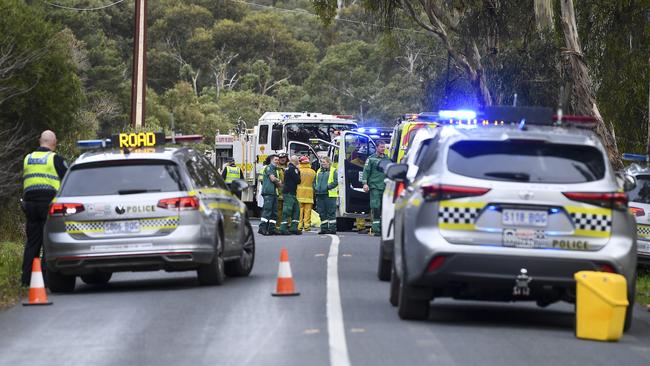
544	15
584	99
648	143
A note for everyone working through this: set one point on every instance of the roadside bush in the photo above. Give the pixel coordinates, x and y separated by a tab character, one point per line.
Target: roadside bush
10	263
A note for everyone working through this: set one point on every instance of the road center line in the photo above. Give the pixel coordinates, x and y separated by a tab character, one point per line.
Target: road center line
335	328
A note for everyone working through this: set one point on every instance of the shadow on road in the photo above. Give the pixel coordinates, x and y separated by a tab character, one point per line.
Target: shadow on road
148	284
500	315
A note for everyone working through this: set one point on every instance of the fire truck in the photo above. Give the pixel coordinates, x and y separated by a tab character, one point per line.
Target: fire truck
294	133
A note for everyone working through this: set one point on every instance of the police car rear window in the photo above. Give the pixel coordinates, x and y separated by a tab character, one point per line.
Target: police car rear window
526	161
641	193
122	178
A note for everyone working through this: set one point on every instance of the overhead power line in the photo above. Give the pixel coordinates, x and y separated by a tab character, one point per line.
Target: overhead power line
82	9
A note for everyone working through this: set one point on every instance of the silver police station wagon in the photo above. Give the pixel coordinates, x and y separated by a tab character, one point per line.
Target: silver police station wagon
145	209
509	212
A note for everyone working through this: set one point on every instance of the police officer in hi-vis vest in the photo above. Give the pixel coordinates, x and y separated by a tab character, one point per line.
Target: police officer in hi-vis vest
231	172
43	170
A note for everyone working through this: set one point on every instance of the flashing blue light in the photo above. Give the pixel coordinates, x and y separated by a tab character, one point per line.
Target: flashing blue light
361	129
636	157
374	136
91	144
492	208
554	211
462	114
373	130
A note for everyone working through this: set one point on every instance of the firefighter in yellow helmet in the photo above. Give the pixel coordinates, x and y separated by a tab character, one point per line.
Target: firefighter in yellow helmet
43	170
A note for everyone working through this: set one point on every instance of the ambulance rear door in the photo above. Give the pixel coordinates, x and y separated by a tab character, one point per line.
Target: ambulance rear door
354	150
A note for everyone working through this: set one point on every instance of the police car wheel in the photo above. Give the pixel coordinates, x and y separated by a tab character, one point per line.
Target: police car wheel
411	308
384	266
394	287
629	312
58	282
213	273
244	265
97	278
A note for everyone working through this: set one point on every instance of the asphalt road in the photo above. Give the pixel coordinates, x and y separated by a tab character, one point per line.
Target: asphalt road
167	319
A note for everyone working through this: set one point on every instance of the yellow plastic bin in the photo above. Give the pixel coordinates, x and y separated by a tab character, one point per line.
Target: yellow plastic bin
601	302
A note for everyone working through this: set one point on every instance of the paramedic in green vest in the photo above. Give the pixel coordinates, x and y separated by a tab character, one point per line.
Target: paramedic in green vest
43	170
291	209
327	191
270	185
373	182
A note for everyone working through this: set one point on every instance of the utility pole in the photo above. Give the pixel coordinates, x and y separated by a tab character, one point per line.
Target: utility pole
139	79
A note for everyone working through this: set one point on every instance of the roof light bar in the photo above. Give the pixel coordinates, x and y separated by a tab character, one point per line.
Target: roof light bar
93	144
635	157
457	114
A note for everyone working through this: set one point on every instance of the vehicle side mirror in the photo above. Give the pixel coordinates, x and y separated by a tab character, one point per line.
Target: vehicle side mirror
396	172
383	165
238	185
276	139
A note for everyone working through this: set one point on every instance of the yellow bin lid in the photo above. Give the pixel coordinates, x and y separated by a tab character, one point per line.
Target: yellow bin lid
611	287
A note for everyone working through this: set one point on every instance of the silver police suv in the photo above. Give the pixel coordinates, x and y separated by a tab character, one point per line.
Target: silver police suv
166	209
640	208
509	212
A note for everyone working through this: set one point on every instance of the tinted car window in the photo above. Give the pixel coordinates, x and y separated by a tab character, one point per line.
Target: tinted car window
120	177
199	178
526	161
210	172
641	193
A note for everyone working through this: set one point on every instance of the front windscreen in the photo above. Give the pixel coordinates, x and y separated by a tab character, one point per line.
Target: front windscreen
526	161
641	193
303	132
123	177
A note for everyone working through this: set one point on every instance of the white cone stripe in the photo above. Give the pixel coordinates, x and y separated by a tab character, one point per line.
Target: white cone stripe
37	280
284	271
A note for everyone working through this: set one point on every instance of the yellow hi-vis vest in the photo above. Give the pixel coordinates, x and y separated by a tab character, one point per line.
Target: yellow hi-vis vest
334	192
39	172
232	173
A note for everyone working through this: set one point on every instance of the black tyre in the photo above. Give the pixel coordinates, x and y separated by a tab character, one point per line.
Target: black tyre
344	224
383	266
629	312
411	308
58	282
100	278
244	265
394	288
213	273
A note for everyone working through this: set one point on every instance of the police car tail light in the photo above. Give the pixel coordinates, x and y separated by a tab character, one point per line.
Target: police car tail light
607	268
613	200
637	211
436	263
439	192
179	203
65	209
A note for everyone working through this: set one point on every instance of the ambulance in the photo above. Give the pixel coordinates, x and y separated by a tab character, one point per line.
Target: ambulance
294	133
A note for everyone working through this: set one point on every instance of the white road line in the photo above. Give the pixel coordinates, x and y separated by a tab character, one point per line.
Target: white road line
335	328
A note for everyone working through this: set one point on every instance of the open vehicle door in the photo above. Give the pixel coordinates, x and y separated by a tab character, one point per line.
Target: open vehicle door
354	149
302	149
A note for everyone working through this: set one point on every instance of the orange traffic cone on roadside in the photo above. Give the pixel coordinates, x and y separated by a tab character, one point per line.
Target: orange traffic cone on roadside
285	286
37	294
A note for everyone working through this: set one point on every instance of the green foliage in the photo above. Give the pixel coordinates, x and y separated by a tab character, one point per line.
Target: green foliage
10	271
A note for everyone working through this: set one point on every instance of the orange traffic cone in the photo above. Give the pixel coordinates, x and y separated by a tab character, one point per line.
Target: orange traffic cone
285	286
37	294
